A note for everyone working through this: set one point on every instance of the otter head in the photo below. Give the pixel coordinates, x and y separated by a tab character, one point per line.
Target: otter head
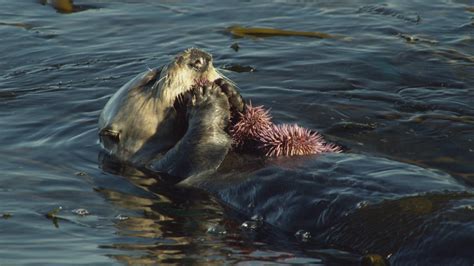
189	68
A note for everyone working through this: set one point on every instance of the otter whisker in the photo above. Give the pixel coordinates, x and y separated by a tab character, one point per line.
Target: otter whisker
158	82
228	80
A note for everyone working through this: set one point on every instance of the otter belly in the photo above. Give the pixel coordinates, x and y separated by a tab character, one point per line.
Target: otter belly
352	202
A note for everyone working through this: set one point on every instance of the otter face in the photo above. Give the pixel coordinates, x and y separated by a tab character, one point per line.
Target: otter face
195	59
187	69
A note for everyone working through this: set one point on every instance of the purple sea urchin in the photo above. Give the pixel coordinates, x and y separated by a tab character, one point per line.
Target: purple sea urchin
252	122
289	140
254	127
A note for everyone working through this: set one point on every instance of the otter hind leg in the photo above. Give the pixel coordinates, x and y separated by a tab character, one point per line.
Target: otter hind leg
205	143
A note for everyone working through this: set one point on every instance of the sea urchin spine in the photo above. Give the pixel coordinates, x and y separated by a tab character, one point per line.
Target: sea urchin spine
290	140
255	127
252	122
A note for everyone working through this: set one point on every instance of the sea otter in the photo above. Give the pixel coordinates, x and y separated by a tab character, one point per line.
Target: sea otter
172	120
164	123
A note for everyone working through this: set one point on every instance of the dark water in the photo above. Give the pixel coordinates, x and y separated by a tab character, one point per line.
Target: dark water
398	92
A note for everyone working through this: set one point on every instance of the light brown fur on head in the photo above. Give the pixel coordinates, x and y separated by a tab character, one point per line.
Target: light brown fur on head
140	120
180	75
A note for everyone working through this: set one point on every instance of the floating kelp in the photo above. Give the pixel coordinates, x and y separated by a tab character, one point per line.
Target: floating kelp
351	127
470	8
81	173
386	11
241	32
18	25
65	6
460	119
7	95
53	215
235	46
41	33
238	68
6	215
415	39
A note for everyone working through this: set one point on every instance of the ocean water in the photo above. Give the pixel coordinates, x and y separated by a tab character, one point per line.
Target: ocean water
397	88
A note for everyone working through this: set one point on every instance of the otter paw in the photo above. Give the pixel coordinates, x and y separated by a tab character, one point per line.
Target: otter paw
236	101
210	105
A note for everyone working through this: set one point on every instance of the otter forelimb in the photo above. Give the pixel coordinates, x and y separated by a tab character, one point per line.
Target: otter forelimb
205	143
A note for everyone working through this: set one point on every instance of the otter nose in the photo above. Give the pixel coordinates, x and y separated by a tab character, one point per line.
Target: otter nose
198	63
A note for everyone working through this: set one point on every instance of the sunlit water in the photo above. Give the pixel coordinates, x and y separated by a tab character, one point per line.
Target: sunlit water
398	93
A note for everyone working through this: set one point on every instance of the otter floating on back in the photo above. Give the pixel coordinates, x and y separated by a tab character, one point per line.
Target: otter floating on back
151	122
183	120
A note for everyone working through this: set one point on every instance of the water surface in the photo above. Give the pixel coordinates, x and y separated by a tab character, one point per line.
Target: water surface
400	87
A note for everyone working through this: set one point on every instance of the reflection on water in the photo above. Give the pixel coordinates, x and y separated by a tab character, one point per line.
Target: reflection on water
303	206
185	225
401	90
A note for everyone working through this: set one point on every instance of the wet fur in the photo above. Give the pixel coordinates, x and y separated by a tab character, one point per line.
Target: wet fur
205	143
320	196
142	125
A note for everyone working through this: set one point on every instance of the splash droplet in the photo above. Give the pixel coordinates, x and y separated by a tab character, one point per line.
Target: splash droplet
80	212
303	236
216	230
121	217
